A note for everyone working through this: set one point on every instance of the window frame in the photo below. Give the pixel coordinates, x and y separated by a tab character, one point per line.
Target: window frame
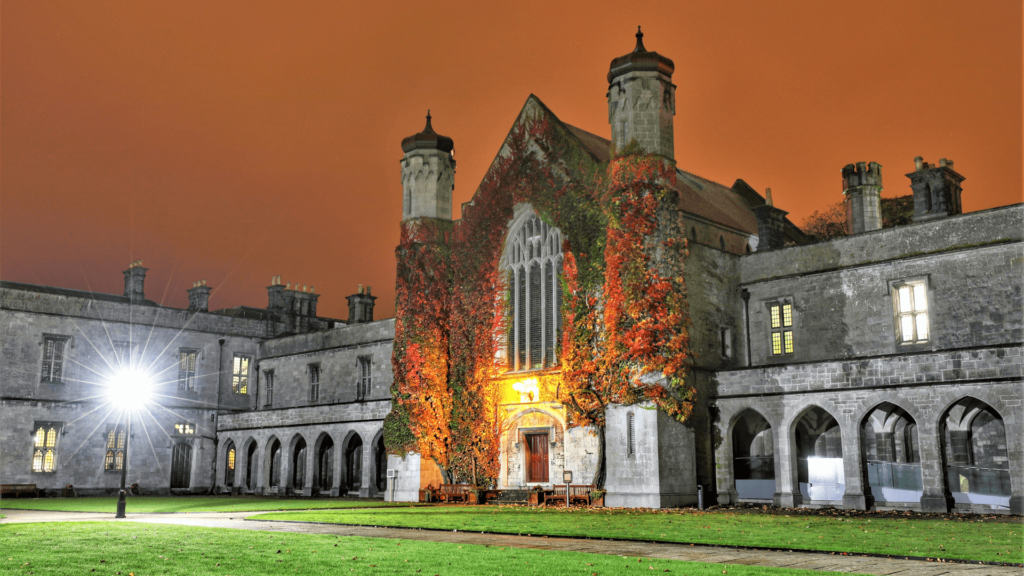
781	324
268	387
364	380
46	374
47	448
114	447
898	314
315	375
186	376
184	429
237	376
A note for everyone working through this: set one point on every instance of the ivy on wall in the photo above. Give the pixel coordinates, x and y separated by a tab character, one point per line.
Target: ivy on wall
624	301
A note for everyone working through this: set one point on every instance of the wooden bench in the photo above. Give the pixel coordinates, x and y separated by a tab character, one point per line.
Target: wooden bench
454	492
6	490
578	493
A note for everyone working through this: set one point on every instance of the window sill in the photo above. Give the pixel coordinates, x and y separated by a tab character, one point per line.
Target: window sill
60	382
112	471
44	472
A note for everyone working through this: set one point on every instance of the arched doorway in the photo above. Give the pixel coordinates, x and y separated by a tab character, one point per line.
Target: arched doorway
753	450
819	448
325	464
888	437
181	465
354	464
229	465
275	463
381	457
250	466
974	444
299	465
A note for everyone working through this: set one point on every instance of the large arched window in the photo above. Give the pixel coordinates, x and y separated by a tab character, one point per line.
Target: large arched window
533	260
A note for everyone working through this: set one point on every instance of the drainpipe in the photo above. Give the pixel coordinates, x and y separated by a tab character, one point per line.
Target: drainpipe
746	318
216	415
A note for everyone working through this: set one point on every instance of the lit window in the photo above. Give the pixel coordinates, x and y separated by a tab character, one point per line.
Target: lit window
240	375
184	429
911	303
231	459
314	382
363	386
53	358
187	368
44	446
781	319
114	457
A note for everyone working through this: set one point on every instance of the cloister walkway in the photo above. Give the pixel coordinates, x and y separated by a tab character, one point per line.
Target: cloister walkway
684	552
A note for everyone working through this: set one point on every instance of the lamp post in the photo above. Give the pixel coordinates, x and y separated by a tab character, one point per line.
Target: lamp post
121	497
129	390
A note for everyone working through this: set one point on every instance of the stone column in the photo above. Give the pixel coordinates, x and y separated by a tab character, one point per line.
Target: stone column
787	483
935	496
338	474
309	476
858	493
725	473
367	489
285	487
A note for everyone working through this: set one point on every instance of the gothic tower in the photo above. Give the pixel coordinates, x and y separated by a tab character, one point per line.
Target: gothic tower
642	100
862	186
428	175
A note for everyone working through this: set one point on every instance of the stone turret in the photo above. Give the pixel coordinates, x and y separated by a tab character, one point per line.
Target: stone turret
642	101
135	282
862	186
199	297
428	175
360	306
936	190
771	224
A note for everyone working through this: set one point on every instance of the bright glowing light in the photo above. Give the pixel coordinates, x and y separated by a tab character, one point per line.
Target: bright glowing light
528	389
129	389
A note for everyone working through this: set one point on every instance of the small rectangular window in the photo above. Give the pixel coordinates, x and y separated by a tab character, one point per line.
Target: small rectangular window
781	317
54	348
726	343
44	446
365	370
630	434
240	374
314	382
187	358
911	303
268	376
114	458
184	429
122	353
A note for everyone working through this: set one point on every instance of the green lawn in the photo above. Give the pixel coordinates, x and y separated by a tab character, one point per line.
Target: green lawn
989	541
133	549
186	504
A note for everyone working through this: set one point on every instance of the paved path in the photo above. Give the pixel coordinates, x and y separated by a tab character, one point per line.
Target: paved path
684	552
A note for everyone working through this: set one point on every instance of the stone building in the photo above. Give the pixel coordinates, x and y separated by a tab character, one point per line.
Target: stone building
878	370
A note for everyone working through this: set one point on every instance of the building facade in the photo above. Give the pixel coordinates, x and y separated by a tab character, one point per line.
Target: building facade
882	369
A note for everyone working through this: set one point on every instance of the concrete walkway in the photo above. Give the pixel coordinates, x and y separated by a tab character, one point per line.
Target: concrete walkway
684	552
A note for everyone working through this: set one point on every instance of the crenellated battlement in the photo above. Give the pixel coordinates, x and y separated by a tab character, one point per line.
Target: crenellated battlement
862	174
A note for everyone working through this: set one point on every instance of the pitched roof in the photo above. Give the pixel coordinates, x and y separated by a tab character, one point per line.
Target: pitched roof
71	293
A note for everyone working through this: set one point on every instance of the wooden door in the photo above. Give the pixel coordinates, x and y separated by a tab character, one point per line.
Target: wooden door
181	466
537	457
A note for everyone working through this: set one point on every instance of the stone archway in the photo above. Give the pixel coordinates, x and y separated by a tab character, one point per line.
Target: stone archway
819	450
892	455
534	449
975	449
753	449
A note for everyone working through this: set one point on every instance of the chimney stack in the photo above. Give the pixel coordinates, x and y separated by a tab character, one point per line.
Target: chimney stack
936	190
199	297
862	186
134	282
360	306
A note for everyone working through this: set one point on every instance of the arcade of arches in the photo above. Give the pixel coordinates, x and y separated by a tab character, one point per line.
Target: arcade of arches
305	464
891	456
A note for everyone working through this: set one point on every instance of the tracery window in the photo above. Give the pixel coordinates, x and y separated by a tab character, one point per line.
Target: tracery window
365	371
533	259
44	446
240	374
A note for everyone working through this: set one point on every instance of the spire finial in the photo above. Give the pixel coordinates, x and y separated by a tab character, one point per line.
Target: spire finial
428	128
639	41
768	197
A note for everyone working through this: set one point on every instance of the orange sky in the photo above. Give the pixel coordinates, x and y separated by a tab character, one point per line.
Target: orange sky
236	141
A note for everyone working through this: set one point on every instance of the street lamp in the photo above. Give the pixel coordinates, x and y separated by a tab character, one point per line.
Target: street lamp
129	390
